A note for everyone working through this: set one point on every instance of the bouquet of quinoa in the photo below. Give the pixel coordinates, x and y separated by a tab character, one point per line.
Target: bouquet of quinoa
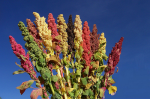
83	53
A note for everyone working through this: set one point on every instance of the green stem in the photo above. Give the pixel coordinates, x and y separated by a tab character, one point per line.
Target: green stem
53	92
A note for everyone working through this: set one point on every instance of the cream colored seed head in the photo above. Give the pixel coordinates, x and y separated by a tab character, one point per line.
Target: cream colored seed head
78	31
44	32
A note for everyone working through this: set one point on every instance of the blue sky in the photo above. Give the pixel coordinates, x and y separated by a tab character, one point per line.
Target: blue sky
116	18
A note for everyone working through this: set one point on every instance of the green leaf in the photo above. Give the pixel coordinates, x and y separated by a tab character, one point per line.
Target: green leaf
71	94
54	78
64	61
102	91
19	72
91	92
92	62
81	51
101	77
77	55
57	95
46	74
105	57
77	92
78	72
97	56
86	92
110	80
98	74
92	97
101	45
75	85
41	59
81	66
37	85
97	86
18	65
86	70
84	80
30	82
24	58
38	68
101	68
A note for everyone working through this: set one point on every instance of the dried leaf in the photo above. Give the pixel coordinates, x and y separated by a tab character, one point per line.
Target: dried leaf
36	93
69	89
18	72
22	91
53	45
25	85
18	65
117	70
54	59
33	62
93	79
69	56
88	85
63	89
41	80
59	37
110	80
56	67
102	91
112	90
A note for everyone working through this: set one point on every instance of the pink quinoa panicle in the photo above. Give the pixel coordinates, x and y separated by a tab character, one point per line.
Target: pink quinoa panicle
86	45
17	48
33	31
113	59
114	56
26	64
94	39
52	25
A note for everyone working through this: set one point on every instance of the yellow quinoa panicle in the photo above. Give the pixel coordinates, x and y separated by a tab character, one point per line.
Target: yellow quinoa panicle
62	26
44	33
78	31
102	39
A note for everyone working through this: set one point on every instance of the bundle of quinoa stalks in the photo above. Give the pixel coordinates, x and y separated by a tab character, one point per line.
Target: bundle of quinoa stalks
70	49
